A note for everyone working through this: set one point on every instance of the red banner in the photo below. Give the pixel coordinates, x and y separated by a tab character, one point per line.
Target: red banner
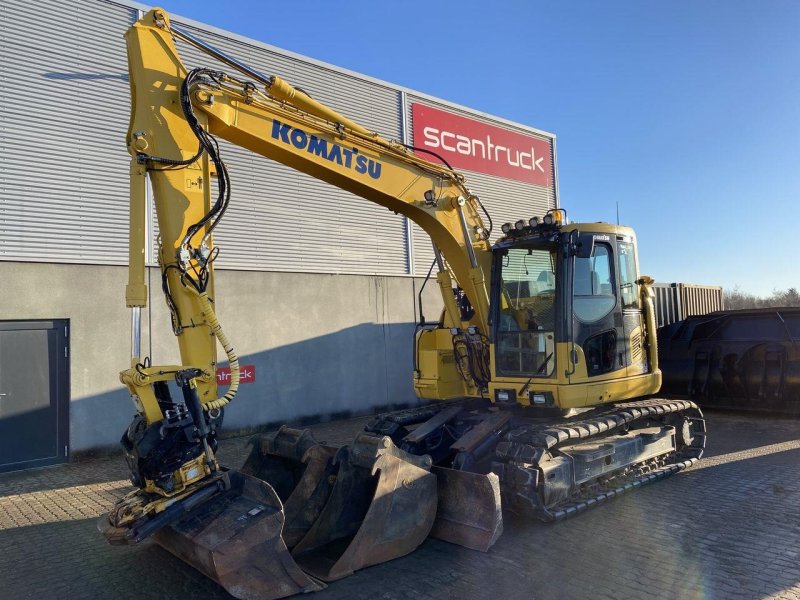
247	374
475	146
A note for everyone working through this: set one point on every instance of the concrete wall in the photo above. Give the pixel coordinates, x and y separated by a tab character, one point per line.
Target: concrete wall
321	344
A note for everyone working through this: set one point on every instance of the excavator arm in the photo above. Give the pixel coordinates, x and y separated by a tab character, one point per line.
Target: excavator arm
176	116
384	500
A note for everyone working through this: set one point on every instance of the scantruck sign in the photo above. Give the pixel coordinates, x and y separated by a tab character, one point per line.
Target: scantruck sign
475	146
247	374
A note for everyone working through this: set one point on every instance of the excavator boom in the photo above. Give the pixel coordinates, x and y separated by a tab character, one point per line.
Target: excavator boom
345	509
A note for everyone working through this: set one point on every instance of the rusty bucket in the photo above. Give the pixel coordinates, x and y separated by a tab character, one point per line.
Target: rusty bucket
301	472
469	509
382	506
235	539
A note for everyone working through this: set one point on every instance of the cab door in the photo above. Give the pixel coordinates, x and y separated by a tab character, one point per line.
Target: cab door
597	323
632	342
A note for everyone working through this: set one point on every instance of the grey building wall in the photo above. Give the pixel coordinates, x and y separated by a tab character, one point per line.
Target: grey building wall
64	116
321	344
63	79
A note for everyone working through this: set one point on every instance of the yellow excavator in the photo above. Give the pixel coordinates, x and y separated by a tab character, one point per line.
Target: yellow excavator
542	366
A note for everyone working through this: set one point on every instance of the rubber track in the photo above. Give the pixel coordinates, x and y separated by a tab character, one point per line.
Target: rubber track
624	414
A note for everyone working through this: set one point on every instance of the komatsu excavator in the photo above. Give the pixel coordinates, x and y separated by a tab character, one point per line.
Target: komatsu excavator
544	359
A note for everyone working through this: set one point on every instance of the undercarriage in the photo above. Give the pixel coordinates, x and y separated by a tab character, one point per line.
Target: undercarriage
551	467
300	514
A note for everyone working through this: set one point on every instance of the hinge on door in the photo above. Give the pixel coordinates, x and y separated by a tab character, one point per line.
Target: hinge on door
66	331
66	451
65	351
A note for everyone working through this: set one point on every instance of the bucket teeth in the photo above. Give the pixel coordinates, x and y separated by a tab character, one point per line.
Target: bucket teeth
382	506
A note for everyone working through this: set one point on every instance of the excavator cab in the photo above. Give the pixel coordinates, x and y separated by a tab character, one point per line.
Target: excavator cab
526	319
568	310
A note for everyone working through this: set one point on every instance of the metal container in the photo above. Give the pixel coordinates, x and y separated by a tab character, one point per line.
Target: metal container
734	359
677	301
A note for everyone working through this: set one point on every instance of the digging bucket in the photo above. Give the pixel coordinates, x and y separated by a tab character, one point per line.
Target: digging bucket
382	506
235	539
301	472
469	509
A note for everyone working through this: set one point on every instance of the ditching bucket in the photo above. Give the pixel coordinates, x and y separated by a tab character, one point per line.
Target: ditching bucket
235	539
301	472
469	509
382	507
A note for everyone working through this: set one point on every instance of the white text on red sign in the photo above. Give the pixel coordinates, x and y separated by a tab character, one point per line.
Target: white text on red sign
247	374
474	145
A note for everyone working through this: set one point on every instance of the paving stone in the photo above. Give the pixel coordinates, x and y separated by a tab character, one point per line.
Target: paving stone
729	527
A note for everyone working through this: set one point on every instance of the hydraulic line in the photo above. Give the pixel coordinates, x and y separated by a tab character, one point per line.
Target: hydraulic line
233	360
195	266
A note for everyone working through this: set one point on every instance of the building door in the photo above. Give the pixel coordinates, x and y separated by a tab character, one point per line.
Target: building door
34	393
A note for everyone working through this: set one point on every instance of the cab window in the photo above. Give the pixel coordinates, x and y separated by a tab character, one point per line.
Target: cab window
526	312
629	290
593	285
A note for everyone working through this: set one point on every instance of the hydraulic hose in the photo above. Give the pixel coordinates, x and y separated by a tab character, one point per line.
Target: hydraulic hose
233	360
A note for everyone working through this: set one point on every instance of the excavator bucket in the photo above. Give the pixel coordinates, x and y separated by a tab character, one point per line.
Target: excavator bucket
469	510
235	539
301	472
382	506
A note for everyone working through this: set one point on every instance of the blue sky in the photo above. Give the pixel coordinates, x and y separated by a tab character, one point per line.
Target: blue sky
685	112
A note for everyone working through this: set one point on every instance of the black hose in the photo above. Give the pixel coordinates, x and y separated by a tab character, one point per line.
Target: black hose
447	164
421	323
431	152
472	358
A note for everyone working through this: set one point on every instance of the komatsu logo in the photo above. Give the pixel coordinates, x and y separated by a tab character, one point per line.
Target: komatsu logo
347	157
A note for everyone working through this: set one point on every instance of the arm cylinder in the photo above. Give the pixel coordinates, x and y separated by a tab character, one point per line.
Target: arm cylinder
136	290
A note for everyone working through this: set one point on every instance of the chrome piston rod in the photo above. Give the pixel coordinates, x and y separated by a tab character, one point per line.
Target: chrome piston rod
136	332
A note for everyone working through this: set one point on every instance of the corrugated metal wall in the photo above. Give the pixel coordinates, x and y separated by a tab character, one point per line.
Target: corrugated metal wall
677	301
63	118
700	299
667	304
284	220
64	198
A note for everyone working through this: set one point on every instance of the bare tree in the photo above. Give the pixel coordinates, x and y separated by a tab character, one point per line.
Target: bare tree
737	299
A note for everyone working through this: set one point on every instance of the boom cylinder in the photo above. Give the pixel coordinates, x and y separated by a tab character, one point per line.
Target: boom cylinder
465	230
